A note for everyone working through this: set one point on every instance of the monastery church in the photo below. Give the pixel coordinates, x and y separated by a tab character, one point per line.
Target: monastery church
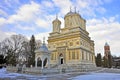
70	46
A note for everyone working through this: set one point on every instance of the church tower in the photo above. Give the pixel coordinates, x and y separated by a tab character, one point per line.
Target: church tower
106	50
74	19
56	25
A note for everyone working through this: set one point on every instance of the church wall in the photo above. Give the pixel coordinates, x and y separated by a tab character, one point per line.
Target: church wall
72	43
73	52
73	56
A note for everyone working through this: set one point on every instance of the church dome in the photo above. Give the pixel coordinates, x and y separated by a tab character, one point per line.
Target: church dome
56	20
72	14
43	48
106	44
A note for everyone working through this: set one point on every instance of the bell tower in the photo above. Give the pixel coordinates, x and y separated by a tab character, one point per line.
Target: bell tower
56	25
106	50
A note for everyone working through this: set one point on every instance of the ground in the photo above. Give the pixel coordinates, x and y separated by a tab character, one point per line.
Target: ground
104	74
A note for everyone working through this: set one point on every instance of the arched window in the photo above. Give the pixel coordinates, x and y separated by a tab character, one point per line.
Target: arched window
73	54
77	54
77	42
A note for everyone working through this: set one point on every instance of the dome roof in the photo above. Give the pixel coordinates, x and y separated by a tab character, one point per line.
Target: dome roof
106	44
56	20
43	48
72	13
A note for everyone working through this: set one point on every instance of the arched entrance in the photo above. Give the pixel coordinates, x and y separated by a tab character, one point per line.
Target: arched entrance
45	62
39	62
61	59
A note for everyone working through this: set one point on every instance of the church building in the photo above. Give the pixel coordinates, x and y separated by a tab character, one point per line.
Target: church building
71	45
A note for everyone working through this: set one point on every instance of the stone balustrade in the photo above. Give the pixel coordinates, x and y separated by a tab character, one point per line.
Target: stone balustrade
60	69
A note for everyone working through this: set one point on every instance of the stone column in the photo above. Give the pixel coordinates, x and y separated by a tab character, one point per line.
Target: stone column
42	64
42	59
48	63
36	63
65	58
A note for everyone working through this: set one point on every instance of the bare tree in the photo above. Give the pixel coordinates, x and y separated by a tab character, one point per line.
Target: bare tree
5	46
6	50
26	51
14	48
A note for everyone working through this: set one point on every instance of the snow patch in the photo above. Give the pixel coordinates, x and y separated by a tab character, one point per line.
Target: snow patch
5	74
98	76
91	76
2	70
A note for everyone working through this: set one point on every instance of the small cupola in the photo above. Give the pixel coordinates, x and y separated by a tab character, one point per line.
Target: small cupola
43	48
106	44
56	24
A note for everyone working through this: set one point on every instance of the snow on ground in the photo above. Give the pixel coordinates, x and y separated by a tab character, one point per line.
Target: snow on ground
67	76
5	74
98	76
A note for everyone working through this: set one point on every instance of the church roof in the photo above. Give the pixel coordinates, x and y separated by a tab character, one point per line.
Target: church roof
43	48
106	44
57	20
72	13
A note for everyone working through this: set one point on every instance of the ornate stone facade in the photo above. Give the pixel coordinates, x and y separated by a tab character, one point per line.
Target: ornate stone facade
71	45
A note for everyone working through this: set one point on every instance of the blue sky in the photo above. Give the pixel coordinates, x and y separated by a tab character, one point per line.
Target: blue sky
29	17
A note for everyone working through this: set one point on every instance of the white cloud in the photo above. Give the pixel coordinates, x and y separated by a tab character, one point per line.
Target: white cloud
32	13
26	28
47	4
40	36
89	8
4	35
45	21
42	23
2	21
105	30
3	13
25	13
64	6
